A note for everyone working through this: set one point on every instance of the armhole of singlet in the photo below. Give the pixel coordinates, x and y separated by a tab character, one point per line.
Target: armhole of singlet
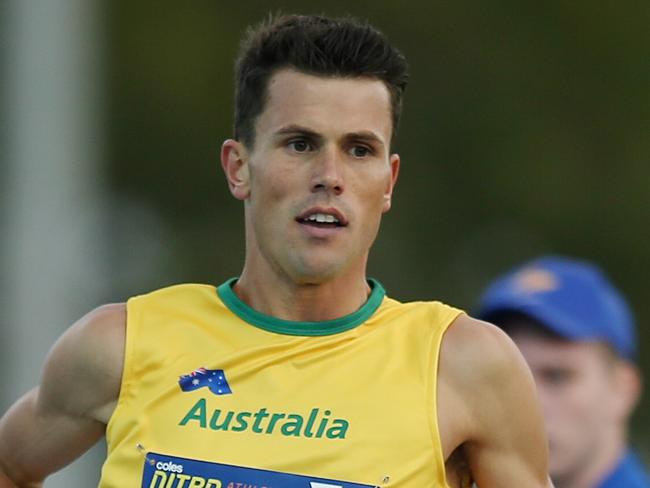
131	330
433	364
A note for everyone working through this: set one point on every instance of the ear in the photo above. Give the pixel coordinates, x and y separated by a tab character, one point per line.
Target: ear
394	173
628	388
234	161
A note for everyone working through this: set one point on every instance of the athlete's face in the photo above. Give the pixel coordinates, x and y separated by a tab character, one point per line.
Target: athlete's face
319	177
586	395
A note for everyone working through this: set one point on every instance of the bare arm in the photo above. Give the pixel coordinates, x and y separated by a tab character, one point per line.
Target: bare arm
67	412
488	392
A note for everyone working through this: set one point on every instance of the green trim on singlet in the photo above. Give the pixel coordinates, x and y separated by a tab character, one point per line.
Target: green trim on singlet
289	327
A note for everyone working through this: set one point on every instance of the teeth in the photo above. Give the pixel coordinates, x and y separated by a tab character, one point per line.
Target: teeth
322	218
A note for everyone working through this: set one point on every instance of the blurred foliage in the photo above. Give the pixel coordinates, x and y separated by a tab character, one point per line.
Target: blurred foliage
525	131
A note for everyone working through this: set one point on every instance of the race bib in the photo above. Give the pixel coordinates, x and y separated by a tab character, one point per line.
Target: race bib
161	471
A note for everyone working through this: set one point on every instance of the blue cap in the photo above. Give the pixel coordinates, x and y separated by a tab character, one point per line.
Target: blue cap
572	298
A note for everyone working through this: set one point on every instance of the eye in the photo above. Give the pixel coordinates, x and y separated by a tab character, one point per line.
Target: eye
299	145
557	376
360	151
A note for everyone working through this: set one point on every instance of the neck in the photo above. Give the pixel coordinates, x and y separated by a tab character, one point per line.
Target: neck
287	299
595	469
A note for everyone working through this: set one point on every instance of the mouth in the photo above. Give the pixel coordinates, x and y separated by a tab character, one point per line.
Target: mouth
320	218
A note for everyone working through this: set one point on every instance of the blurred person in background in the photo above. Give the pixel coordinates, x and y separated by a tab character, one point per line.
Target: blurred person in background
301	371
577	334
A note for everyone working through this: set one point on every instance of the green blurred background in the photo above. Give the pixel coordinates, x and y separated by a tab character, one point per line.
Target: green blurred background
525	131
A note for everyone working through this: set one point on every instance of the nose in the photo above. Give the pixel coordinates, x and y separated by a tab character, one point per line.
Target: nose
328	174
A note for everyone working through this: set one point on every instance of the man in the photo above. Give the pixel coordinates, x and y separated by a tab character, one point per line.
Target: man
576	332
300	372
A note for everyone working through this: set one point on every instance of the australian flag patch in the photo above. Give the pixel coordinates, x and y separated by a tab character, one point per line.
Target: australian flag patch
214	379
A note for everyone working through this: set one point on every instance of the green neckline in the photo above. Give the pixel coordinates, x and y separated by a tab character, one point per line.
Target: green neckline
289	327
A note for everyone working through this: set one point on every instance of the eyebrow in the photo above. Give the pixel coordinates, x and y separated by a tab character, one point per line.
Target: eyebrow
366	136
294	129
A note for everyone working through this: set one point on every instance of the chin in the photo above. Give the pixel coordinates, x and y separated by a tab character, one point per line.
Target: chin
559	466
315	275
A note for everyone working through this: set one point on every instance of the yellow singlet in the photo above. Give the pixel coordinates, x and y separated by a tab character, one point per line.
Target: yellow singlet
217	395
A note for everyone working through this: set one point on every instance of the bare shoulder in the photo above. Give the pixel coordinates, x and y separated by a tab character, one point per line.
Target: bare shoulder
474	352
488	407
82	373
486	372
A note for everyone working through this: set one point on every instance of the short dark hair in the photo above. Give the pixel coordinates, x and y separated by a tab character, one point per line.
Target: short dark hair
316	45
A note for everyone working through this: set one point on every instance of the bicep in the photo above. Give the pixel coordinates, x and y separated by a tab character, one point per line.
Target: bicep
36	440
66	414
491	407
509	448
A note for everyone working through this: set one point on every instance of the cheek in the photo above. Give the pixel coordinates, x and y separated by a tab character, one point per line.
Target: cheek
372	188
273	197
581	403
371	204
267	185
